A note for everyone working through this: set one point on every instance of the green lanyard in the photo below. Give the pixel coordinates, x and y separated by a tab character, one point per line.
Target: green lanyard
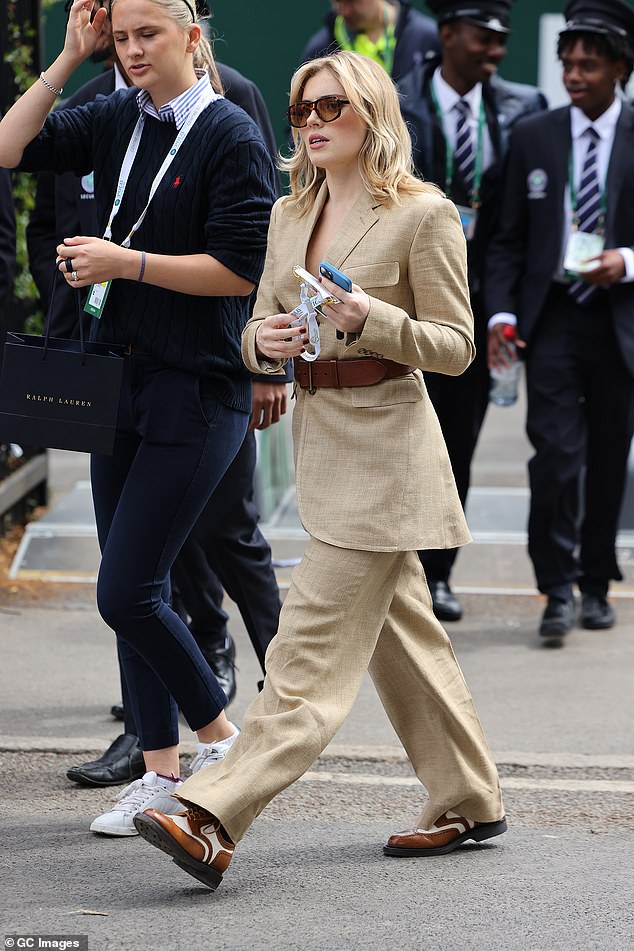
573	198
360	43
474	197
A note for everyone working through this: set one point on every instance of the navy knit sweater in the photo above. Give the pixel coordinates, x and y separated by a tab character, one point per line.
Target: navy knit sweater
216	197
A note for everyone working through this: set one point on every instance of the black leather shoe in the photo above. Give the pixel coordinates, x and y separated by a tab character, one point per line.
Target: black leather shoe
557	620
445	604
596	613
222	662
121	763
117	711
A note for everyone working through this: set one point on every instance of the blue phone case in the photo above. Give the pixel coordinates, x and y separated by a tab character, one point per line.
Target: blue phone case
336	276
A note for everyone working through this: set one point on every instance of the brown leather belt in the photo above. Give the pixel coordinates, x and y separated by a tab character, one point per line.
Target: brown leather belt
338	373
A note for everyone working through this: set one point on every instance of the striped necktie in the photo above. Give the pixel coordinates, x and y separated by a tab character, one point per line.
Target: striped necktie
588	209
464	155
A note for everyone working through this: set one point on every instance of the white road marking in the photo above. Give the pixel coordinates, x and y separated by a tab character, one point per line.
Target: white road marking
509	782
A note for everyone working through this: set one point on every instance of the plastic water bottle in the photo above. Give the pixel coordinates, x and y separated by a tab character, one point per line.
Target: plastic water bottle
505	379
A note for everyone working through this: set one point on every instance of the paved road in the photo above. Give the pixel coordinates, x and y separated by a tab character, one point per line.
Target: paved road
311	874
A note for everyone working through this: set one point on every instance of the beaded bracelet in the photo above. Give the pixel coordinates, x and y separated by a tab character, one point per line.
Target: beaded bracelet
142	268
50	86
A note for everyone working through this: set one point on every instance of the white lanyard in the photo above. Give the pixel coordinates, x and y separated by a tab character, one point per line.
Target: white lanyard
128	161
306	313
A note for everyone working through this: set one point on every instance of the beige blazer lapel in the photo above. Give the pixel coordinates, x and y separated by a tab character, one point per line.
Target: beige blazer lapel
361	218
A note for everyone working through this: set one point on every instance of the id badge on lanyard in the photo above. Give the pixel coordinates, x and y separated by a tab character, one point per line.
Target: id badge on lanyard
581	247
97	296
468	213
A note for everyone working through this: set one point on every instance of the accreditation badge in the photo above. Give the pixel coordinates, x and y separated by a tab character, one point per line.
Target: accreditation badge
468	219
97	298
580	248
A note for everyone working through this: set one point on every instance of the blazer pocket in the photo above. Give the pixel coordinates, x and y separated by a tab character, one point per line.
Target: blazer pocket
406	389
374	275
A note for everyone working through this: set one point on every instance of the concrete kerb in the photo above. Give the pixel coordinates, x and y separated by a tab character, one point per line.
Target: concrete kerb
336	751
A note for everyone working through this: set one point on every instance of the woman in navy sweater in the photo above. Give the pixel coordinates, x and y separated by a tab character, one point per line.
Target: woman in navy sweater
184	188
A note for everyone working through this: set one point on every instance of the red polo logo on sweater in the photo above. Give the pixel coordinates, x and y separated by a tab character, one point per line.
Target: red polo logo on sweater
176	182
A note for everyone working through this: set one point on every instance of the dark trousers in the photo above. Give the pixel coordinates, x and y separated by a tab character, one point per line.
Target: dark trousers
174	442
461	404
580	417
226	549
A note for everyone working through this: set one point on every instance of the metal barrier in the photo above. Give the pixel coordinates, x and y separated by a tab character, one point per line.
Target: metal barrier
23	485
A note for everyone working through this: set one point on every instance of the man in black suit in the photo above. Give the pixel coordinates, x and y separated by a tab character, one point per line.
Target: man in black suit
226	549
7	243
562	264
460	114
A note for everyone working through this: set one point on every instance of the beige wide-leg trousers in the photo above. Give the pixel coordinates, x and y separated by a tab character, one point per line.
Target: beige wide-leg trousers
347	611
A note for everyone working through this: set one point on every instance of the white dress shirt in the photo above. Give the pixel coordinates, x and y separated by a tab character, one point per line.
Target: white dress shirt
119	81
179	109
448	98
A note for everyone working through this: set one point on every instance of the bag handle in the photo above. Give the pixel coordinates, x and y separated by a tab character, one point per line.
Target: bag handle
47	330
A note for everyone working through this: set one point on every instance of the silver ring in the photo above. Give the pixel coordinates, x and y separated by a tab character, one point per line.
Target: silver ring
74	275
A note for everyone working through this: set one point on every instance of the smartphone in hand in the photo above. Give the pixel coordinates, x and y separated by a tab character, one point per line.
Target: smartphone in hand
331	273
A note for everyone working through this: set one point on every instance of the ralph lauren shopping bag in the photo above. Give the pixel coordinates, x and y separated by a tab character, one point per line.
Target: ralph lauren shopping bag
58	393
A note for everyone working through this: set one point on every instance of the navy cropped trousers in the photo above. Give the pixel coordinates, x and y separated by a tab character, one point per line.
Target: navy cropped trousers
174	442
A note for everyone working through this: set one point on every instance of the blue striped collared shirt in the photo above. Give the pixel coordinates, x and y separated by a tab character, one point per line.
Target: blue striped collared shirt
178	109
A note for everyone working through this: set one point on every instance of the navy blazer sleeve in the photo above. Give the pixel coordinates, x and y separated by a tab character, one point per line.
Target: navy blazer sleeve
41	236
506	256
246	94
7	238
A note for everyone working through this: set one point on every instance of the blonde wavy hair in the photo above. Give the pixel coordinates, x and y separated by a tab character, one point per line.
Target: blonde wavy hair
181	13
385	159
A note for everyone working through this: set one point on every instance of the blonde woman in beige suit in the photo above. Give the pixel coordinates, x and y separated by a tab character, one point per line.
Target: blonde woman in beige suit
374	483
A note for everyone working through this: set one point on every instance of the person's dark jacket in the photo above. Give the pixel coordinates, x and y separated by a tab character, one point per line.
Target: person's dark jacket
525	253
7	240
505	103
416	36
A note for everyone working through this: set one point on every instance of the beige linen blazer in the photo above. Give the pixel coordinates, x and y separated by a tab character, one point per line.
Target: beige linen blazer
371	463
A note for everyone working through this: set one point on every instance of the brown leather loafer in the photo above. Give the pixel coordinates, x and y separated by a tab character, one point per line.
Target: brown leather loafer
447	833
194	839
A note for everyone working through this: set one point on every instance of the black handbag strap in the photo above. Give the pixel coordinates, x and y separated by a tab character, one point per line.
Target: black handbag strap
57	275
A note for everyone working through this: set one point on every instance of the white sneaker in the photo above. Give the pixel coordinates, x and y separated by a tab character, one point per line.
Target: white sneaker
151	791
212	752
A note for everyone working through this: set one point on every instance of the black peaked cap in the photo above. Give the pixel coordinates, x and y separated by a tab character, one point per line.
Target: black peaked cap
614	17
491	14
